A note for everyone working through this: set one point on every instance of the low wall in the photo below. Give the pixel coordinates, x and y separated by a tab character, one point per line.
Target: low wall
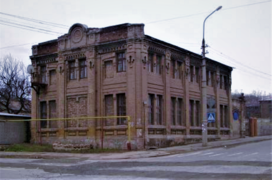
264	127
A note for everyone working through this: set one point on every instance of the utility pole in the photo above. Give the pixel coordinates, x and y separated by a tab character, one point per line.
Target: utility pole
203	87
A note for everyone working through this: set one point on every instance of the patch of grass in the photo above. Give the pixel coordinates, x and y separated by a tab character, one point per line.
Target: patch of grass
30	148
49	148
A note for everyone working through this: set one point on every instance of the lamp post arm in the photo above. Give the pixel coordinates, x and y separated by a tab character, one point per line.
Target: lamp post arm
205	21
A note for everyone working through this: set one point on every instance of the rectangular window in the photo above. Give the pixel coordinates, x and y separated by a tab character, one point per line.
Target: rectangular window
173	110
221	116
121	62
72	70
121	108
43	74
158	64
179	113
151	109
108	69
43	111
173	68
191	110
179	69
192	73
52	114
221	82
197	113
197	74
83	68
150	62
212	79
52	75
159	110
109	109
226	116
207	78
225	82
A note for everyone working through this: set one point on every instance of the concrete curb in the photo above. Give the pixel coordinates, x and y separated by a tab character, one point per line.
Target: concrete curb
135	154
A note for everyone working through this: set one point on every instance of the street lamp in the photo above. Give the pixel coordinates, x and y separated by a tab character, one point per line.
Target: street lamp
204	91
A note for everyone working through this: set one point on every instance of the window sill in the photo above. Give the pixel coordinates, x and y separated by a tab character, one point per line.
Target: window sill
117	127
156	126
76	129
177	127
48	130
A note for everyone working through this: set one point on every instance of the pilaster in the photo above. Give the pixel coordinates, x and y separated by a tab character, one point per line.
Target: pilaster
186	77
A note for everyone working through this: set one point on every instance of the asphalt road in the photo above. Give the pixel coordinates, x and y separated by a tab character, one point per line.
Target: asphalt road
249	161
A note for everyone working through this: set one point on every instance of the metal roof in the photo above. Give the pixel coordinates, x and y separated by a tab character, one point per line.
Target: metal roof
14	115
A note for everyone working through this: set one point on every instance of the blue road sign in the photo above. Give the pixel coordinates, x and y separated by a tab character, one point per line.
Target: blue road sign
211	117
235	115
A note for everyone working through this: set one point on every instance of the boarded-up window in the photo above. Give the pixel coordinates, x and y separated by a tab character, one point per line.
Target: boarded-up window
108	69
82	111
72	112
52	114
109	110
151	108
52	74
77	109
43	111
121	108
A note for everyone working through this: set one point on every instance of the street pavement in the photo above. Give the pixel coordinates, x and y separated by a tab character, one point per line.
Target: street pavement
244	161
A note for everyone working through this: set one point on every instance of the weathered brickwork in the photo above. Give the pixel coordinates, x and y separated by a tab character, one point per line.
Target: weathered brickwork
118	70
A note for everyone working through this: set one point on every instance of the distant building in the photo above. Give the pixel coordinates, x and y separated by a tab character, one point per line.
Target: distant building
262	110
266	109
118	70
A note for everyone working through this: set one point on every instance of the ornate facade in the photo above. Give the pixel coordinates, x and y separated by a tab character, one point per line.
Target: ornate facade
118	70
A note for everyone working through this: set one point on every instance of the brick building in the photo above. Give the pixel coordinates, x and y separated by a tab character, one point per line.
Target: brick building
118	70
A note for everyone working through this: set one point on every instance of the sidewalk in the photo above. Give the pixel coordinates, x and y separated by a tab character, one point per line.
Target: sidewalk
136	154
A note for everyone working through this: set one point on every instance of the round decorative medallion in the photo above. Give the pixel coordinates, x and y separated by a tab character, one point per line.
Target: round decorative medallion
77	35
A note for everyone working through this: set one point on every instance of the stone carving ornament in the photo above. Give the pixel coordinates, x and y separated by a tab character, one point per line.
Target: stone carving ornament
77	35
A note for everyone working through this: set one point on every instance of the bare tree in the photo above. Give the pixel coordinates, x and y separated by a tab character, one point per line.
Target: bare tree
15	86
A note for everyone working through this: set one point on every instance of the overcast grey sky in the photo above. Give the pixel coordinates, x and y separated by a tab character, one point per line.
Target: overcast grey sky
239	34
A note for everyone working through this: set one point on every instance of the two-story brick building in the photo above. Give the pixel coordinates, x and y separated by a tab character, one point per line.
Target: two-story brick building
118	70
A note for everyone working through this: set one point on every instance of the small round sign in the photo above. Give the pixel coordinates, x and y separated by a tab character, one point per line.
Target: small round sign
235	115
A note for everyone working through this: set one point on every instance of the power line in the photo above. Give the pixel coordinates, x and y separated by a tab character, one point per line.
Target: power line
30	27
26	28
224	9
17	45
36	21
241	63
245	70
